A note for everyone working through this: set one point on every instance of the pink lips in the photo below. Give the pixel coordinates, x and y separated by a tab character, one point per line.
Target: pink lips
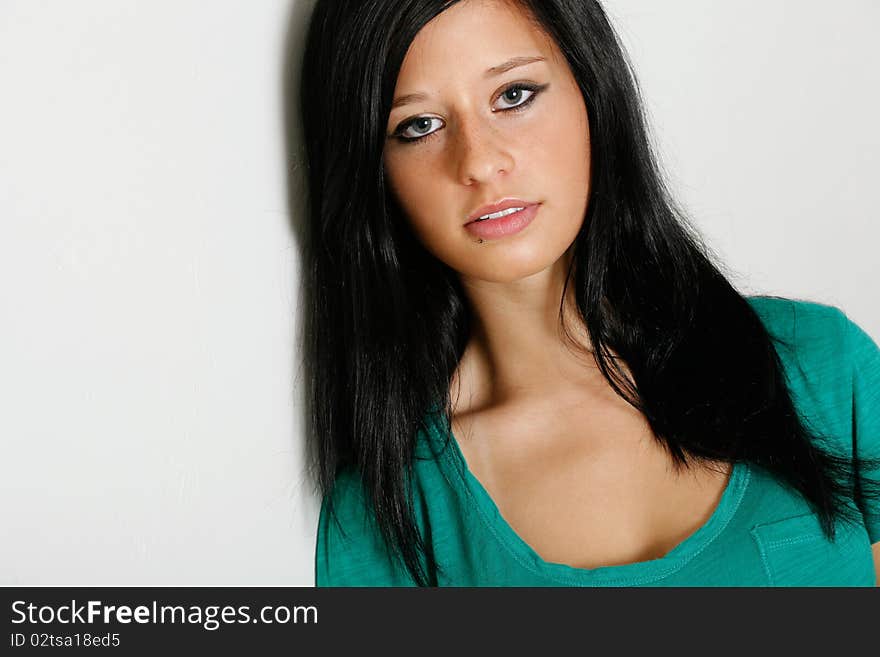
506	225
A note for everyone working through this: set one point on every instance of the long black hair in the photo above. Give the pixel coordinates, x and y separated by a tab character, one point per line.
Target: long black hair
388	322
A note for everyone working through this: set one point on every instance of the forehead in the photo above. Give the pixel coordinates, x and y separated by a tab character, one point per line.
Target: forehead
470	37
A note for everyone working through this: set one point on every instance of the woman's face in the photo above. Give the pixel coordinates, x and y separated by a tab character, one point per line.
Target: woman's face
483	137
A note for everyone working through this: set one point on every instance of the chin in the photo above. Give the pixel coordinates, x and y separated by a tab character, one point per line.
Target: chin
502	269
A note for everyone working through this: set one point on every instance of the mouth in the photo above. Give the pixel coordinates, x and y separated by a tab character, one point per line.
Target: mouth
503	223
499	215
499	210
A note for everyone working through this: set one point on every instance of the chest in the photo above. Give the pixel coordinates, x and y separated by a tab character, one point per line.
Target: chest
587	487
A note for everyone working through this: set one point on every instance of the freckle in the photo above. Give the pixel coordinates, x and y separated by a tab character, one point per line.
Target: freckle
480	240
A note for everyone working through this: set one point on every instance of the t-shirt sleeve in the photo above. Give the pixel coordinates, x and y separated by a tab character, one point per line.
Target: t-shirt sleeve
865	362
350	550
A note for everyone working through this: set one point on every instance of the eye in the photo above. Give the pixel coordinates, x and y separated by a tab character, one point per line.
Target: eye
516	91
419	128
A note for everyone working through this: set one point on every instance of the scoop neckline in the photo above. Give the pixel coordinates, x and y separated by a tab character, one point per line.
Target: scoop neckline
635	573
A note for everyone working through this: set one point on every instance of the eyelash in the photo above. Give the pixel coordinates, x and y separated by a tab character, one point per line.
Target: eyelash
535	89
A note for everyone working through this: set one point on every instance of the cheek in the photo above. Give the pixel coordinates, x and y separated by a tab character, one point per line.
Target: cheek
401	176
409	180
409	175
559	162
563	151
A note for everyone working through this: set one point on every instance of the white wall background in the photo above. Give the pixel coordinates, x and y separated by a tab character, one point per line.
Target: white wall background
150	410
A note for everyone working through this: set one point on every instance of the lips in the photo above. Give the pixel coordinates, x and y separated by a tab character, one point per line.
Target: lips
504	204
510	224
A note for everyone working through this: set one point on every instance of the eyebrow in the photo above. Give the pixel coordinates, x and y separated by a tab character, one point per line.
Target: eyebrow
490	73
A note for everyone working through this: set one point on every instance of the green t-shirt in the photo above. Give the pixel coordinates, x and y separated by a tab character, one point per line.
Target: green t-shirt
761	533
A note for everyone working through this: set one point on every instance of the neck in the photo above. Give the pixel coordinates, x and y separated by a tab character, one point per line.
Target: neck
518	348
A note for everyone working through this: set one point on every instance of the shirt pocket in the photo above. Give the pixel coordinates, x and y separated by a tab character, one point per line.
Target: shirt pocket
796	552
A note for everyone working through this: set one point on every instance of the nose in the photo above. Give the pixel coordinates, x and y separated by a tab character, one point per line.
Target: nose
481	153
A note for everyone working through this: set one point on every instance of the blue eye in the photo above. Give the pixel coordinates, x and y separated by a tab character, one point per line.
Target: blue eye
518	89
422	124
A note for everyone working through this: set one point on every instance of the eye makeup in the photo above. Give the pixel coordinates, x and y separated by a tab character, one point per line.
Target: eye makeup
535	89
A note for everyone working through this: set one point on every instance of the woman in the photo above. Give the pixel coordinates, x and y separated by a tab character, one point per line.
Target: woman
525	368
